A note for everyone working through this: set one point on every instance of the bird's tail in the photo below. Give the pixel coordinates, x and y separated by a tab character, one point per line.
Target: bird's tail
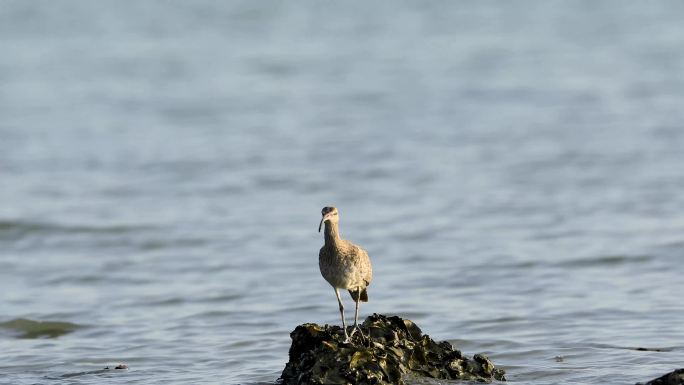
364	295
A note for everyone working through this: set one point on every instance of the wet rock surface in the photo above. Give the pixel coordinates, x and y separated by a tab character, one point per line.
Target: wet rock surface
392	350
673	378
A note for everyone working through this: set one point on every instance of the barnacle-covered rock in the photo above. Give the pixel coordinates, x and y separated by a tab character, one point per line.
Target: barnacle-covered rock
392	349
673	378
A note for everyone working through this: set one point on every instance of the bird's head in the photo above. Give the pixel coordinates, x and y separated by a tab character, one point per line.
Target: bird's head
329	215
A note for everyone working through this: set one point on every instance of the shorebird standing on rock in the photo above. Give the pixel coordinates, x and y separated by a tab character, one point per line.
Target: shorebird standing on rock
344	265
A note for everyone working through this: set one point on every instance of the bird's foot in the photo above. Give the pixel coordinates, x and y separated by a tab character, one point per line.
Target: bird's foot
356	328
347	336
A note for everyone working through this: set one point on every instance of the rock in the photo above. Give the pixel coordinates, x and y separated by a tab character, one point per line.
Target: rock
673	378
396	348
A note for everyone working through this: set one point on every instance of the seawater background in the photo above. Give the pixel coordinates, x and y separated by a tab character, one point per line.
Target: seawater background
515	170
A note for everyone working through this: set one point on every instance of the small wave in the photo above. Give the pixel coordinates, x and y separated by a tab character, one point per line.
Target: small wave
643	349
658	349
224	298
172	301
158	244
606	260
107	369
521	265
13	229
36	329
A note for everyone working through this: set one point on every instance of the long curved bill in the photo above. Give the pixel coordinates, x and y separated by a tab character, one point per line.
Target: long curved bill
326	216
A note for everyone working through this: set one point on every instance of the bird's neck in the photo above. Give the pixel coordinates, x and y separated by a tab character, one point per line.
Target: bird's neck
332	233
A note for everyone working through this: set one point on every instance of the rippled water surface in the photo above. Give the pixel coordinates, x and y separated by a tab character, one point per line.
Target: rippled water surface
515	170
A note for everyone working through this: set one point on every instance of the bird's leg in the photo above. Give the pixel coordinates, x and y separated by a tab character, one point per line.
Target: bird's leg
356	313
344	323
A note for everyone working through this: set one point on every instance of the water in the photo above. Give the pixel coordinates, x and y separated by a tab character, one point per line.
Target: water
515	171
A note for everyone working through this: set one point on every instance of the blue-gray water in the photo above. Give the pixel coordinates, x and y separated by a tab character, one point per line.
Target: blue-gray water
515	170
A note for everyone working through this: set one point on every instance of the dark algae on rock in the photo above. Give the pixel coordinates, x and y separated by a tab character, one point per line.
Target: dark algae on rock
391	349
673	378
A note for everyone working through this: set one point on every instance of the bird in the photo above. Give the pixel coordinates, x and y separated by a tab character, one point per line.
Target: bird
344	265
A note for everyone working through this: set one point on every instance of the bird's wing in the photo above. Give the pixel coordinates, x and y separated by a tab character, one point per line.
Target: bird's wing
362	261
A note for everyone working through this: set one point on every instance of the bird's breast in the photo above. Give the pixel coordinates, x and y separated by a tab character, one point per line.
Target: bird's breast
340	270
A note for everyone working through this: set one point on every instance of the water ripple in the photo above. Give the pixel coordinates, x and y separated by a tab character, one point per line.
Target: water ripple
606	260
16	229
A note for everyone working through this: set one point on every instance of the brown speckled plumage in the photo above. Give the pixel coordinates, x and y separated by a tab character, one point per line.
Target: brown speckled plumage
343	264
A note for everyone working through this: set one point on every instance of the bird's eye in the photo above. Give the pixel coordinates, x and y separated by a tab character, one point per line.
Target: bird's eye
335	213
